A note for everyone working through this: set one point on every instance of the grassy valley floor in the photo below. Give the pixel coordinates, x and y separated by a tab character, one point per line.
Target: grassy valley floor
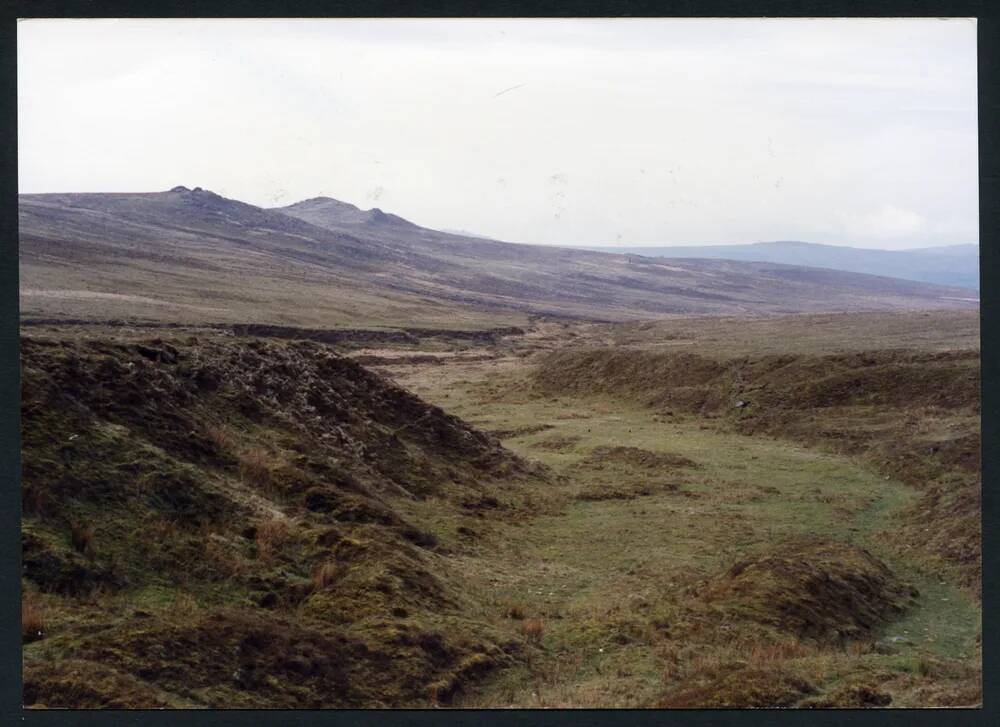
217	520
645	507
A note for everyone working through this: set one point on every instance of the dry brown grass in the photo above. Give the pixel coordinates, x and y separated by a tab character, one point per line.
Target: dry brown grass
726	337
707	661
325	575
161	529
859	648
516	612
220	436
82	538
761	673
78	684
557	443
32	618
736	685
36	498
533	629
225	561
268	535
98	595
925	667
755	651
255	465
820	590
184	608
761	654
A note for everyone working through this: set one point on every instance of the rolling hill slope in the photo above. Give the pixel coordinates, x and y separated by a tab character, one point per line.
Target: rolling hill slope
194	256
392	230
956	265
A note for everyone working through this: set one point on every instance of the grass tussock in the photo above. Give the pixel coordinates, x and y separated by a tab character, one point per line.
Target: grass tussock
82	684
325	575
82	538
736	686
183	608
533	629
221	437
32	618
769	653
224	559
556	443
255	465
638	458
269	535
516	612
826	591
36	499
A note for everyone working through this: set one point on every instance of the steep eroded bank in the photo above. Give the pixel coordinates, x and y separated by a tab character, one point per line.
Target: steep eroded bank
215	522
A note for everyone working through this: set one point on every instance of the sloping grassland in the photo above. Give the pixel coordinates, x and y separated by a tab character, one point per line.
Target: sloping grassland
214	523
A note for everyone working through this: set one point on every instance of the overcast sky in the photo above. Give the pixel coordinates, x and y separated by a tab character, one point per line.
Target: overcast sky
584	132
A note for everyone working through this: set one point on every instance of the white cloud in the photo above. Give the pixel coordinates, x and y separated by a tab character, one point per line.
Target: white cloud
661	131
887	223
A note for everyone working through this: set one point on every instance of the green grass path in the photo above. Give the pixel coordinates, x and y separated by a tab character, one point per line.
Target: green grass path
586	569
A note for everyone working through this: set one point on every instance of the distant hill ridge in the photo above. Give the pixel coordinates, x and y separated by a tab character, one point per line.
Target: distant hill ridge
327	208
956	265
193	255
